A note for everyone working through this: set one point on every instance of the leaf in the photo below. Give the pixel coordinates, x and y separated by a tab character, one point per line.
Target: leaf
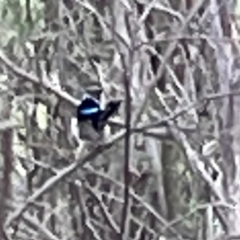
41	116
210	148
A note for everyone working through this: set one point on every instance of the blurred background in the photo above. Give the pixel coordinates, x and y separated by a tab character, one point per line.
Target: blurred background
167	165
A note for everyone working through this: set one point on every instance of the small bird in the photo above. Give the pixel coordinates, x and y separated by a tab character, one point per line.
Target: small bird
90	110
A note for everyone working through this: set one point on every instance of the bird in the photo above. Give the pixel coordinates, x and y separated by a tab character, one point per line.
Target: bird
90	110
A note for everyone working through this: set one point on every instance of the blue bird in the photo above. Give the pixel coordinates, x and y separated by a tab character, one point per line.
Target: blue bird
90	110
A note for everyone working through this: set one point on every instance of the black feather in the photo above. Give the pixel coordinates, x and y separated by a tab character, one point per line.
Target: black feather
89	109
111	108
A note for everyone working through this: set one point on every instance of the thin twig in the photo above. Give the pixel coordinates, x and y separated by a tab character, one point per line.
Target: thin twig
30	77
126	149
126	157
49	184
166	56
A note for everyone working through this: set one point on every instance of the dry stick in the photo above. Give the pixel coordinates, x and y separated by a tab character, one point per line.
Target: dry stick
147	206
175	115
126	150
49	184
127	75
204	206
166	56
70	169
30	77
67	171
171	38
126	83
79	184
109	219
20	72
34	223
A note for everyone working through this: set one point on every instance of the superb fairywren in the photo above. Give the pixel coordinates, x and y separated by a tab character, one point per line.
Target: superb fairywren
90	110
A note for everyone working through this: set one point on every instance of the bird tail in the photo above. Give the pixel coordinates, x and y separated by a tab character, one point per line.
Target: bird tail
100	122
111	109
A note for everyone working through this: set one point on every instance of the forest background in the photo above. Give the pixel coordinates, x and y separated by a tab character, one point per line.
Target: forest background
168	164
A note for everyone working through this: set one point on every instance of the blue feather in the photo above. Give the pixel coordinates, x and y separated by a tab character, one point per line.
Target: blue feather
89	111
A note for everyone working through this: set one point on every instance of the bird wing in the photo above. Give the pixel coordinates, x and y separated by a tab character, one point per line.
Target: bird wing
88	106
89	111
